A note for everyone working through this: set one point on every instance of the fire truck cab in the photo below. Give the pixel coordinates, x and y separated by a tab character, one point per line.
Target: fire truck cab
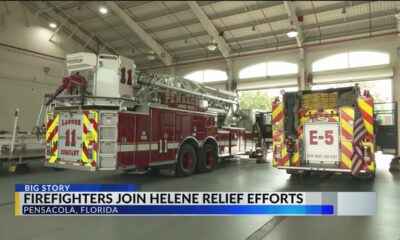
313	131
107	116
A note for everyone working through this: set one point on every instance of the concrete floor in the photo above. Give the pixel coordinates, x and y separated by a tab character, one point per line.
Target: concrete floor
237	175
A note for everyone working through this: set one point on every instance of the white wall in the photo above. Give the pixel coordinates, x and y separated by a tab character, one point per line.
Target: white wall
23	81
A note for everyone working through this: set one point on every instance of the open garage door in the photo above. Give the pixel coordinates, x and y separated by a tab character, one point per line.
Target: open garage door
386	127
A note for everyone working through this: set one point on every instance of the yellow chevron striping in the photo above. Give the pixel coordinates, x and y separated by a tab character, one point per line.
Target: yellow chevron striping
54	156
88	137
368	127
295	158
52	126
346	159
365	106
284	155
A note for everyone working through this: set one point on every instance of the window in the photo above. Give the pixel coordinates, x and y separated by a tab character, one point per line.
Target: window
363	59
261	99
281	68
338	61
207	76
257	70
350	60
268	69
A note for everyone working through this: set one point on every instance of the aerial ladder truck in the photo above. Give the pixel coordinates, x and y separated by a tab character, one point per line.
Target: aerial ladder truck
107	116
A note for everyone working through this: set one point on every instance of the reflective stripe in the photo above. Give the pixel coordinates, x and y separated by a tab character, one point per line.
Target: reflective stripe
143	147
89	137
295	158
346	152
52	136
346	123
223	143
126	148
367	114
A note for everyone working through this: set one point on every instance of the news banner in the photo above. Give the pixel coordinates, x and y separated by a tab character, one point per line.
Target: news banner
128	199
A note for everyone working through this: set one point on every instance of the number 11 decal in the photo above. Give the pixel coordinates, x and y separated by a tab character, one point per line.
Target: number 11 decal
67	138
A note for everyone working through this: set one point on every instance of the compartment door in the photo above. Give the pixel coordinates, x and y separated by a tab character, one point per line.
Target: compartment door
386	127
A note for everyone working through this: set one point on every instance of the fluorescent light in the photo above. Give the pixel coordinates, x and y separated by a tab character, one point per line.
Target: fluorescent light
292	33
52	25
103	10
212	45
151	56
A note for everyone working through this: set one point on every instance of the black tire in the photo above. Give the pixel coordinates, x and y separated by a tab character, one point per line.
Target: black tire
187	161
58	169
298	173
207	158
291	172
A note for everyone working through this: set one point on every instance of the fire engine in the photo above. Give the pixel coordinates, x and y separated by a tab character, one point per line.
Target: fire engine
107	116
313	131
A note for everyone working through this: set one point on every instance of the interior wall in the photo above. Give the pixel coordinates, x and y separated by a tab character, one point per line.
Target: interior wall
23	79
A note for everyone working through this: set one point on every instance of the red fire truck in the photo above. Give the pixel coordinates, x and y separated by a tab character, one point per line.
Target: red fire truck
107	116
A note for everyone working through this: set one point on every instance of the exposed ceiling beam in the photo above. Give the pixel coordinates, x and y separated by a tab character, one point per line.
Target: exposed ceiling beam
149	16
65	29
92	18
281	34
360	34
143	35
184	8
210	28
274	19
256	46
71	20
52	7
293	19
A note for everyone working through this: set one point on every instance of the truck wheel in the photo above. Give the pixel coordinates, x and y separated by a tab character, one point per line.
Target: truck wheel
187	160
207	159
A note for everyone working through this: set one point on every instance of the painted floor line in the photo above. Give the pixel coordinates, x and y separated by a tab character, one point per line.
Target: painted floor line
267	228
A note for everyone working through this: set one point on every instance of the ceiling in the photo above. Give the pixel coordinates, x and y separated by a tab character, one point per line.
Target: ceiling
246	25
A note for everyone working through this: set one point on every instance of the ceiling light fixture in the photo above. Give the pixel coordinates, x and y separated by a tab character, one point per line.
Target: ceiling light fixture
397	15
212	46
103	10
253	28
344	10
151	56
52	25
186	40
292	33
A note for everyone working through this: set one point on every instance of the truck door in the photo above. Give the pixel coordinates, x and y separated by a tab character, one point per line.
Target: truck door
385	115
162	136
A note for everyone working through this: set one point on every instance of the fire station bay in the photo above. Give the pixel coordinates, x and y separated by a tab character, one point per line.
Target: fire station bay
199	120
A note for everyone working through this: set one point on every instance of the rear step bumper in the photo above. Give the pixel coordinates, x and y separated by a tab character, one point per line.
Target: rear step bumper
319	169
66	165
